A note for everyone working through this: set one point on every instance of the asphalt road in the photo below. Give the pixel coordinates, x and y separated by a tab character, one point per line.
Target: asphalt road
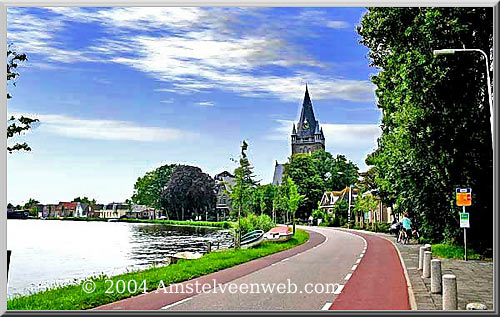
311	271
335	269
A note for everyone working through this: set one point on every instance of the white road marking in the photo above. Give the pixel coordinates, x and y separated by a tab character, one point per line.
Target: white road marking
339	290
361	255
354	267
358	260
326	306
177	303
348	276
285	259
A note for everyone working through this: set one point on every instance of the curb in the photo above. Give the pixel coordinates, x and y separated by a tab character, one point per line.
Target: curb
411	295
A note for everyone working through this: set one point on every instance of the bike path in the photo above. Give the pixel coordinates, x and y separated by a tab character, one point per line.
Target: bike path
377	282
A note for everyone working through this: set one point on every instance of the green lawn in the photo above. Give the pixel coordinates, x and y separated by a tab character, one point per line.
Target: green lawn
72	297
221	224
447	251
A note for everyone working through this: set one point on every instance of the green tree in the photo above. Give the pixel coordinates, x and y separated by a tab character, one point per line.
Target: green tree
148	189
436	132
364	204
244	184
189	192
336	172
294	199
85	200
302	170
267	194
16	126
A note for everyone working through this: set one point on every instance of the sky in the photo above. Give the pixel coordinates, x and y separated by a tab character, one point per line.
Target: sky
121	91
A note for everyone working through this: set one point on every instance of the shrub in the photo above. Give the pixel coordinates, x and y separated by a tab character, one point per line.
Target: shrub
253	222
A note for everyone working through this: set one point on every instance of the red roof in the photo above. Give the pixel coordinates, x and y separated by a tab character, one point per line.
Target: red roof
67	206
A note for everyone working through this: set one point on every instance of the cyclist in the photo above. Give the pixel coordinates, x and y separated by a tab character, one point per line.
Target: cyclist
406	222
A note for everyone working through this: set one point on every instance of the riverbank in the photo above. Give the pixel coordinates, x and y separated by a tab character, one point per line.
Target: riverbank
220	224
72	297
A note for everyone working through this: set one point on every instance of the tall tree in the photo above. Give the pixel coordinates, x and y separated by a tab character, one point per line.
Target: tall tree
436	132
189	192
305	175
244	184
16	126
148	189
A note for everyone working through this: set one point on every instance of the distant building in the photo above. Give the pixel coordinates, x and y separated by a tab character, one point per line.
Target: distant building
330	198
114	210
81	209
49	210
278	173
66	209
223	184
95	211
140	212
307	136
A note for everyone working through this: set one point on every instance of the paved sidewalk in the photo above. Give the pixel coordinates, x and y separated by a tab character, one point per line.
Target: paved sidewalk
474	279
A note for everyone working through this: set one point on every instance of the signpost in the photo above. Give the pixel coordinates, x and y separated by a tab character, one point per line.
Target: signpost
464	198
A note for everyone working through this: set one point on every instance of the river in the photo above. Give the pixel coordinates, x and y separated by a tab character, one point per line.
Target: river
57	252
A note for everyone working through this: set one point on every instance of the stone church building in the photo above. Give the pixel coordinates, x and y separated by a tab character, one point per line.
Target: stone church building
307	136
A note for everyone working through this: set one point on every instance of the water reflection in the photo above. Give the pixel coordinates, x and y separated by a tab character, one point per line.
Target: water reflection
46	253
153	244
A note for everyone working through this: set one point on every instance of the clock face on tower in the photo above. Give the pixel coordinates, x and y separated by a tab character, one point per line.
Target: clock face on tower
305	125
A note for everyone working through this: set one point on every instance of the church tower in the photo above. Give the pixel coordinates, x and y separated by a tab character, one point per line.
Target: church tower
307	136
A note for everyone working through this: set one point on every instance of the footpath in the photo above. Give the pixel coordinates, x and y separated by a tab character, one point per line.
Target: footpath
474	278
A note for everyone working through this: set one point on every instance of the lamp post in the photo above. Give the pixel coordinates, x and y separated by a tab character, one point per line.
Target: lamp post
451	51
349	207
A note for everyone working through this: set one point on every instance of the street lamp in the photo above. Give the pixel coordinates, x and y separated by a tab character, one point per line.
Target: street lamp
349	207
451	51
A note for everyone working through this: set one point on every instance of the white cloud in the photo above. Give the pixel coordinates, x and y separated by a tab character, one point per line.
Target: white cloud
171	100
194	49
206	103
337	24
106	129
343	136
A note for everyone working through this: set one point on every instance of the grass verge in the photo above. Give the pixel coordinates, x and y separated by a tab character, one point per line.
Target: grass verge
447	251
72	297
222	224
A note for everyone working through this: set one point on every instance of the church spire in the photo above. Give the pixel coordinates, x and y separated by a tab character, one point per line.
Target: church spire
307	121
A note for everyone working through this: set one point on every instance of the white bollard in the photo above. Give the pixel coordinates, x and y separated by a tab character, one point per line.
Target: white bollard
426	247
435	276
450	301
426	265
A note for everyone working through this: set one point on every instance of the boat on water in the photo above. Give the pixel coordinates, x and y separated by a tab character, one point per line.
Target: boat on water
113	220
252	239
17	214
279	234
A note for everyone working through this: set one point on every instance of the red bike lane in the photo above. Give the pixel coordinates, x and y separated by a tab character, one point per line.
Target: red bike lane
378	282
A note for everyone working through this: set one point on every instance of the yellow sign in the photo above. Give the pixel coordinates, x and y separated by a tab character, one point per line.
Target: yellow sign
464	197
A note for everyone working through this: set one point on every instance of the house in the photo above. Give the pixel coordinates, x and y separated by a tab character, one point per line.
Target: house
330	198
382	213
81	209
140	212
66	209
95	211
49	210
278	173
223	183
114	210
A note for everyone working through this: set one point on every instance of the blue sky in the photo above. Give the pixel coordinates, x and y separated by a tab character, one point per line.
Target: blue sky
121	91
